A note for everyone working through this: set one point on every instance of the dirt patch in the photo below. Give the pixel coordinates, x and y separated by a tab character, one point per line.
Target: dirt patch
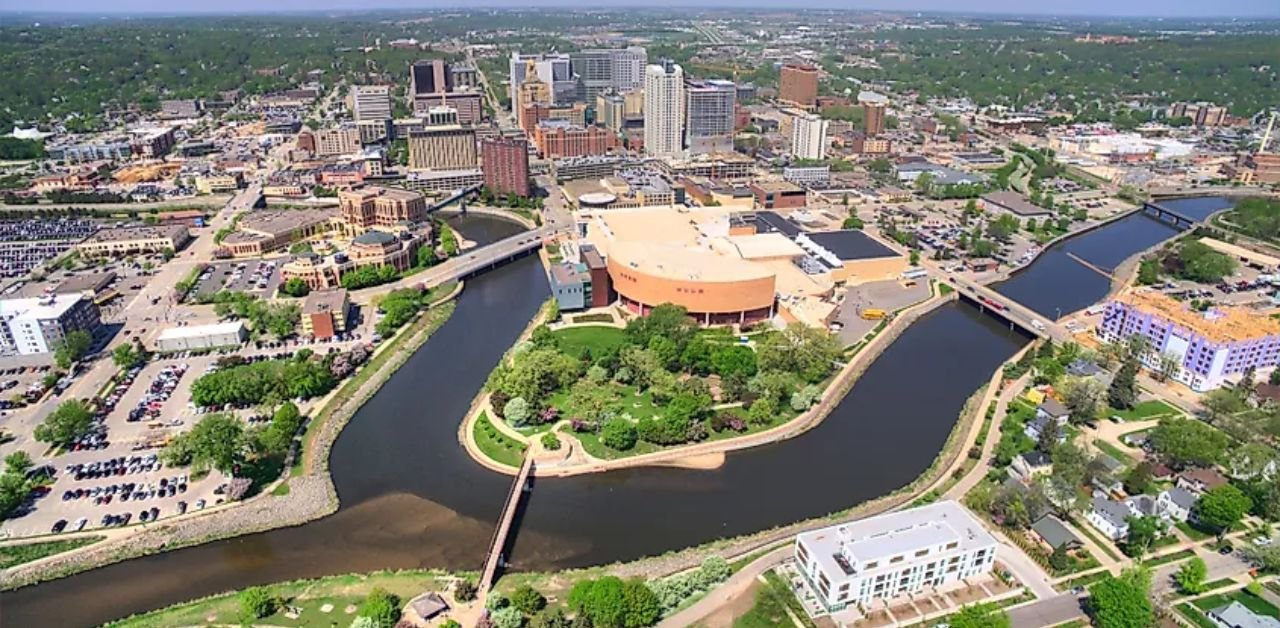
735	607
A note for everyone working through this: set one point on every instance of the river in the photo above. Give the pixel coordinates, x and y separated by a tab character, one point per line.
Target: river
411	497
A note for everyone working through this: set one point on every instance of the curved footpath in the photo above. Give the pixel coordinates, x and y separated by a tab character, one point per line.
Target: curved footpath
556	464
311	495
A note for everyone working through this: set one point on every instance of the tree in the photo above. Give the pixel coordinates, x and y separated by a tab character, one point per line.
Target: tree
70	421
1190	577
216	442
257	603
18	463
128	355
295	287
382	607
618	434
527	599
1186	442
1070	467
517	411
506	617
728	360
1139	478
1122	602
1203	264
980	615
809	352
602	601
1223	402
1124	387
464	591
763	411
1170	363
553	618
1083	397
1142	533
72	347
1223	507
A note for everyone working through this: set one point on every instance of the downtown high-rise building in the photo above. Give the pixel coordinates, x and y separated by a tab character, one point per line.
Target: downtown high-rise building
798	84
664	103
554	69
873	118
506	165
371	102
600	70
709	107
809	137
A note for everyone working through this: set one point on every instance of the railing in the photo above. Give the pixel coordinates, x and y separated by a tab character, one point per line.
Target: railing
499	540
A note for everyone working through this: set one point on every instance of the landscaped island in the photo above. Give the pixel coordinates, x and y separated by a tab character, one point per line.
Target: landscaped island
658	382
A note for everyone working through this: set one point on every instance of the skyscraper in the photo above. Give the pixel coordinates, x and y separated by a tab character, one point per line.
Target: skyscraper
371	102
873	118
532	90
554	70
664	111
798	84
809	137
432	84
600	70
709	116
506	165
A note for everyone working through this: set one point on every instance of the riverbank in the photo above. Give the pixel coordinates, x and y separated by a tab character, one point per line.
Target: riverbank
572	459
311	494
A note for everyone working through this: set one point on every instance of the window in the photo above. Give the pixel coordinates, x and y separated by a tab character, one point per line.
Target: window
895	559
952	545
872	565
923	552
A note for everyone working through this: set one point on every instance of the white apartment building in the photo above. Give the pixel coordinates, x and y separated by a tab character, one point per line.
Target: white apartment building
371	102
808	137
893	554
664	103
38	325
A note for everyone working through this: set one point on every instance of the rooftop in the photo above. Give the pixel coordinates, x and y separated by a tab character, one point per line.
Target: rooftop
281	221
127	234
38	308
195	331
1015	203
851	244
1219	324
322	301
897	535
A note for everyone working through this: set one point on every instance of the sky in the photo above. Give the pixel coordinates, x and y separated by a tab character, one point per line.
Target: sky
1143	8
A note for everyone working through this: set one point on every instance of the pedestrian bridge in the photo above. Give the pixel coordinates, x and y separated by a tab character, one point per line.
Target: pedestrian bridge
496	557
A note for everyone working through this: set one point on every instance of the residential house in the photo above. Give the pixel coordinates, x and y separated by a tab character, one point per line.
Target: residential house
1039	424
1055	534
1176	503
1109	517
1053	409
1031	465
1199	481
1237	615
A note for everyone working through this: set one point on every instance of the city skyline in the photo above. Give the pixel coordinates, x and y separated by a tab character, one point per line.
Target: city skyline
1252	9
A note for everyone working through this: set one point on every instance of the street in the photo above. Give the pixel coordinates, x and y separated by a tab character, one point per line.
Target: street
1047	612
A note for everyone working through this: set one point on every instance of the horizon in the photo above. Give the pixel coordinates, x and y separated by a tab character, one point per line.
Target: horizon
1086	9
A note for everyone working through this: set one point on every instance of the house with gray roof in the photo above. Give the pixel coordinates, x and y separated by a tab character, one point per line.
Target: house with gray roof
1177	503
1237	615
1109	517
1055	534
1053	409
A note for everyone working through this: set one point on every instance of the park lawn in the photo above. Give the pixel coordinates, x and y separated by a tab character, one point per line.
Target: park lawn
1145	410
1193	533
592	445
639	406
773	598
27	552
597	339
495	445
309	595
1249	600
1114	452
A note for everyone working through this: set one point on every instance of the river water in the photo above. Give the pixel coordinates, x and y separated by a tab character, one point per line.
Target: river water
412	498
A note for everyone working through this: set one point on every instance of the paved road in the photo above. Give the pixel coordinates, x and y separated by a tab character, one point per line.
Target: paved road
1220	567
1047	612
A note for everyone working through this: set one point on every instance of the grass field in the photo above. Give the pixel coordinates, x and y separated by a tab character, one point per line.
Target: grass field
494	444
18	554
1115	452
596	338
1193	533
1196	617
1145	410
1252	602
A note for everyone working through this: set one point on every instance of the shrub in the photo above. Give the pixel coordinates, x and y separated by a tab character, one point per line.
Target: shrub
550	441
517	411
618	434
527	599
582	425
382	607
464	591
256	603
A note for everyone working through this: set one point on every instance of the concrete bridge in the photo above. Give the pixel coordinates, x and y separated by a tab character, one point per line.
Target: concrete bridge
1164	214
464	265
453	198
496	557
1213	190
1008	310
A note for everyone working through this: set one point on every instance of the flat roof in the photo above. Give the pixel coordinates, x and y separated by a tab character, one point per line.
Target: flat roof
196	331
765	245
38	308
851	244
897	534
322	301
684	263
1015	203
773	221
127	234
281	221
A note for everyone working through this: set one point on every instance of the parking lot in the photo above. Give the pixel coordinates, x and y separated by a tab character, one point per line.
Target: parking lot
884	295
259	277
27	243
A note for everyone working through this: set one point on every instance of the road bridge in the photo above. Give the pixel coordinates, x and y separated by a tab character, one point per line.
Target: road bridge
497	546
1164	214
1213	190
464	265
455	197
1001	306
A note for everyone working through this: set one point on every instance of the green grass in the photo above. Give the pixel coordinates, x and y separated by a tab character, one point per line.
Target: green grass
593	318
1195	616
1193	533
1221	583
944	289
1168	558
771	604
1114	452
1249	600
309	595
1145	410
19	554
638	406
576	340
281	490
592	445
1083	581
495	445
